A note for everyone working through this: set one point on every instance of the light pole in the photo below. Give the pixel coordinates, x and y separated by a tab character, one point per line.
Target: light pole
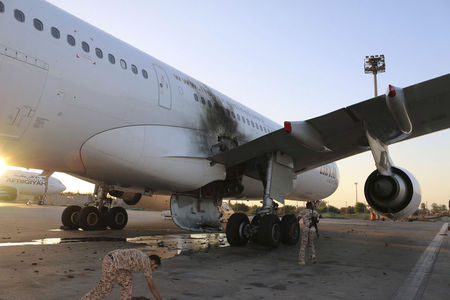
374	64
356	193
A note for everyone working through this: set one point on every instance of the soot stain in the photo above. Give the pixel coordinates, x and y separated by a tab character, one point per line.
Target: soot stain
219	130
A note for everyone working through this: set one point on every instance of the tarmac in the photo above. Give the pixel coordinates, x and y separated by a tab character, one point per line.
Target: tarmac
357	259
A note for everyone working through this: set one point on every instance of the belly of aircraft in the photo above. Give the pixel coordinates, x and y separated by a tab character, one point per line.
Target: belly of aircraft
151	156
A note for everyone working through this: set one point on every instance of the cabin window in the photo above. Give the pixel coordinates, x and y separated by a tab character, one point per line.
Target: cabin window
55	33
19	15
253	124
38	24
70	40
195	97
228	112
2	7
209	104
233	115
203	100
111	59
145	74
134	69
99	53
248	121
238	117
123	64
85	47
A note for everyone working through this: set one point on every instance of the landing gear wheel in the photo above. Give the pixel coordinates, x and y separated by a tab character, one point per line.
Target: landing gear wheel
88	218
255	223
69	216
237	225
269	233
290	230
117	218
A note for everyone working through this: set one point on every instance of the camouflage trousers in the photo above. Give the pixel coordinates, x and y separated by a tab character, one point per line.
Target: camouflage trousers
308	238
111	275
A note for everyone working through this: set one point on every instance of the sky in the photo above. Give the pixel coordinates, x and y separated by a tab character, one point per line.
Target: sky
295	60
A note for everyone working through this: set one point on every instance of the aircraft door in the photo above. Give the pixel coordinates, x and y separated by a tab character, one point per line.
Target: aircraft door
164	92
22	79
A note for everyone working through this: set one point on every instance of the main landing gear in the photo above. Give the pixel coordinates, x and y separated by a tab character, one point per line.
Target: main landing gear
266	228
97	216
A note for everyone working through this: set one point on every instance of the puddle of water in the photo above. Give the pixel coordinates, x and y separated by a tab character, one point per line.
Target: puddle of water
166	246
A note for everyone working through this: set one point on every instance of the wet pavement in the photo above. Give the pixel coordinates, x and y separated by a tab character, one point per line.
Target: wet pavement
356	259
166	246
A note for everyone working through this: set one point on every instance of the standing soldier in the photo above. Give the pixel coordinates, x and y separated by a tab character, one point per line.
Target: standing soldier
117	266
309	231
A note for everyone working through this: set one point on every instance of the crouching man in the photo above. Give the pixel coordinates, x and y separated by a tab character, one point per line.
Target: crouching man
117	266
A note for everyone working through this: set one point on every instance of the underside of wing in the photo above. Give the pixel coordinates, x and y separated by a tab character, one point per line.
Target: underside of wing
399	115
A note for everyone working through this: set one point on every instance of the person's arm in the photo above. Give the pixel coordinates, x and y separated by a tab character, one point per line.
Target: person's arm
152	287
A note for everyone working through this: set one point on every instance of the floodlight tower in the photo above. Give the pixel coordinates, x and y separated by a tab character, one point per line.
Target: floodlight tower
374	64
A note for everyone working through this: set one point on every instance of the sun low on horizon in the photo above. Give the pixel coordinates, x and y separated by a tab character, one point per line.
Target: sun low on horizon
3	166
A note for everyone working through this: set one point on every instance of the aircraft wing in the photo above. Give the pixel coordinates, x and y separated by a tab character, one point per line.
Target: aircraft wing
341	133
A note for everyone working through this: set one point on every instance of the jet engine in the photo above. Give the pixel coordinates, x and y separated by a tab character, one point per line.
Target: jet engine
396	196
8	193
129	198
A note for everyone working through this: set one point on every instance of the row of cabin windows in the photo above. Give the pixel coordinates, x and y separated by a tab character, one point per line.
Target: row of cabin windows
232	114
20	16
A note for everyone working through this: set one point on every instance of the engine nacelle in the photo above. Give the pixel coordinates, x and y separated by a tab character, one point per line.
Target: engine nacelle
8	193
397	196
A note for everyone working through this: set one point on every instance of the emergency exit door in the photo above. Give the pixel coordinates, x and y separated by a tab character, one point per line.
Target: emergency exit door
164	92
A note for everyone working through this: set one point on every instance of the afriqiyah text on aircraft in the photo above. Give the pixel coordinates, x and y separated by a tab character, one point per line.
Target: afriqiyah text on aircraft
75	99
16	182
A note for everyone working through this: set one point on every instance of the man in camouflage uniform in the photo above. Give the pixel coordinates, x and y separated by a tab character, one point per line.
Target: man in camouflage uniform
309	233
117	266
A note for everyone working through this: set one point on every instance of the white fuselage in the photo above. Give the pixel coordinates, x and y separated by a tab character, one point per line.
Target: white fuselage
65	109
29	183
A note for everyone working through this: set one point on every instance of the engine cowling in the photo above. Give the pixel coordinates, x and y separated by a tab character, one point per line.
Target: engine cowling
8	193
397	196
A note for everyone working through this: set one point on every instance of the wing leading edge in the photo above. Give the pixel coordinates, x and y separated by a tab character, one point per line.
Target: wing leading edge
342	133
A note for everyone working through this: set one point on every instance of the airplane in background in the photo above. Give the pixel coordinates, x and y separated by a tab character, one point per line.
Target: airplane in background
16	182
74	99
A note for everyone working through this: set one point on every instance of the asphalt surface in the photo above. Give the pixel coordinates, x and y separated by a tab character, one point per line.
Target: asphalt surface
356	259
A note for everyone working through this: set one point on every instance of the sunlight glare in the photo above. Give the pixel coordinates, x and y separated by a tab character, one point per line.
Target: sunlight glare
3	166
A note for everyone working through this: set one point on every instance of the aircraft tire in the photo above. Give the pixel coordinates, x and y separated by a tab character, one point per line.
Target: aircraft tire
290	230
235	227
117	218
69	216
88	218
255	222
269	233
